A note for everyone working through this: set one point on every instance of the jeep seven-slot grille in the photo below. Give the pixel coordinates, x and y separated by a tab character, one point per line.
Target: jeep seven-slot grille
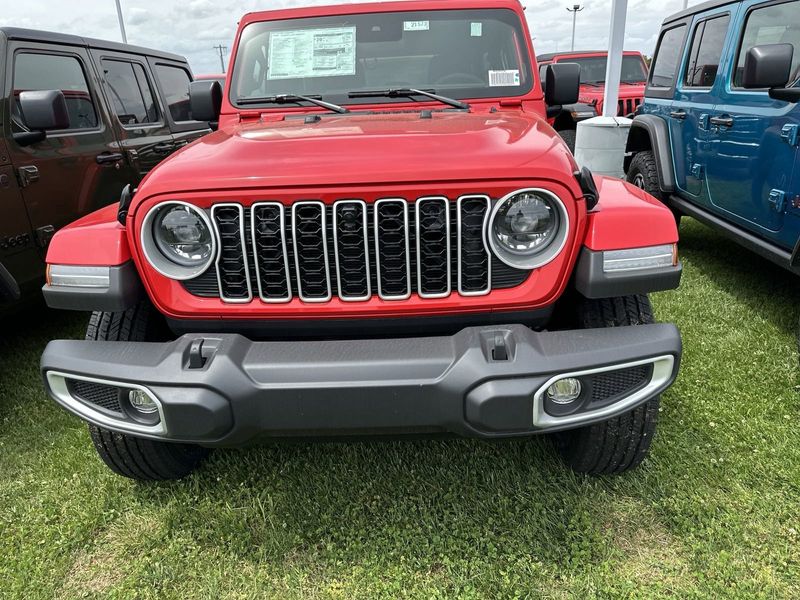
353	250
628	106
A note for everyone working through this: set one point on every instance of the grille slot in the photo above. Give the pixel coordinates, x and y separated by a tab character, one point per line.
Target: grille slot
392	254
613	384
232	270
353	250
99	394
351	247
474	260
268	230
432	228
310	243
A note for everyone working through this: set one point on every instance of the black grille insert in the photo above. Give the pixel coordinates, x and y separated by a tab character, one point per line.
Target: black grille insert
99	394
271	259
392	249
311	251
234	281
350	228
474	260
433	247
611	385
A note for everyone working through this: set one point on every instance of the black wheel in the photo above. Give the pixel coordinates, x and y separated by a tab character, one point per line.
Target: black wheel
643	173
621	443
569	135
127	455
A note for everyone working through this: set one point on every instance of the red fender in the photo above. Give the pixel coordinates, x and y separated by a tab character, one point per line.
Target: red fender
96	239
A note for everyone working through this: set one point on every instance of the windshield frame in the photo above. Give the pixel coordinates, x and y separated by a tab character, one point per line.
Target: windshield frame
530	79
637	57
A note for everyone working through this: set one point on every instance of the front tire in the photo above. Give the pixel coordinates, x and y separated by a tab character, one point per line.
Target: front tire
643	173
623	442
127	455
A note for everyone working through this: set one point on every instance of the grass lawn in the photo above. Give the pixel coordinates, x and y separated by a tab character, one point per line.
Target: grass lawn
714	512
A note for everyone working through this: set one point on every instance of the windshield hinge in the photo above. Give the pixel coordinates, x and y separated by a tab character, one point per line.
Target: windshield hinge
510	102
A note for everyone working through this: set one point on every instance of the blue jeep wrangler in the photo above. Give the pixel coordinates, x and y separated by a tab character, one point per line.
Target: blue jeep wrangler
718	135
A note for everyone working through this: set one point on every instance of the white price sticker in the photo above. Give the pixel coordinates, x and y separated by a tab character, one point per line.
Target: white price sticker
312	53
504	78
476	29
416	25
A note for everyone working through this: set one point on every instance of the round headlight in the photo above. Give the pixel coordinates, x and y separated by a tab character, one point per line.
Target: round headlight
177	240
528	228
182	235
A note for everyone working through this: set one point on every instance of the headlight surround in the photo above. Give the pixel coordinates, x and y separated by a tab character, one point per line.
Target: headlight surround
177	240
528	228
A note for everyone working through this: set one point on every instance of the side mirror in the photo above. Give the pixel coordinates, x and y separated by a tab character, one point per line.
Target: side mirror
770	66
205	100
562	84
44	110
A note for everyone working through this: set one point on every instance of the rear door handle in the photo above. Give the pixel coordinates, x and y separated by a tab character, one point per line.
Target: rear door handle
163	148
721	121
678	114
109	158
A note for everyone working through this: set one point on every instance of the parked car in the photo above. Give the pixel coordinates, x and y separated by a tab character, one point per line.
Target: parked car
117	111
384	237
593	85
719	131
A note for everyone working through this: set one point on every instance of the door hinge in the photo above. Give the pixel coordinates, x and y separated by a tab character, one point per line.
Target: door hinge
702	122
791	134
27	176
777	200
697	171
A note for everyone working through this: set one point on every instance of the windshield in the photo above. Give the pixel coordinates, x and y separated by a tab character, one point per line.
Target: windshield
456	53
593	69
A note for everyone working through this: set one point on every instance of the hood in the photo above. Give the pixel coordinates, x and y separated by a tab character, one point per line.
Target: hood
367	149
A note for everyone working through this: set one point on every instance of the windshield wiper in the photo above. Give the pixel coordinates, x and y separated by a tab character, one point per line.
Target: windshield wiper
294	99
409	92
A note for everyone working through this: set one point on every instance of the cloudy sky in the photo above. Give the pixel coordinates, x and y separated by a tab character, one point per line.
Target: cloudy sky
193	27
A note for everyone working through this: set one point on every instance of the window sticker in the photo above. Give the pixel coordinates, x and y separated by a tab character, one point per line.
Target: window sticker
476	29
312	53
416	25
504	78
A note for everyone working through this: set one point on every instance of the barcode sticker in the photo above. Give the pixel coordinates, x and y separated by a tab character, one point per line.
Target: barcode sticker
503	78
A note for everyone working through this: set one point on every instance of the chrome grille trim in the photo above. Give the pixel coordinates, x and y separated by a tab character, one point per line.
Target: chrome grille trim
448	265
378	204
365	225
214	210
256	253
459	218
324	228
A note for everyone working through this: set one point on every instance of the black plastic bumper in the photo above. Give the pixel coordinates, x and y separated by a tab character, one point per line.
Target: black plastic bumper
482	382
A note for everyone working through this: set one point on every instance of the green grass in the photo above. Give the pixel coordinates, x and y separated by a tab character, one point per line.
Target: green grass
714	512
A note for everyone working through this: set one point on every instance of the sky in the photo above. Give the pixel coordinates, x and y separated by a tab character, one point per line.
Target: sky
193	27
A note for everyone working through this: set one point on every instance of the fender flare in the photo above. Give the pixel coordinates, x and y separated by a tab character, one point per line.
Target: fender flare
650	132
9	290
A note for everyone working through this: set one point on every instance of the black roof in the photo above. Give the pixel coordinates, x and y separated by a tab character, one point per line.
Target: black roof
34	35
693	10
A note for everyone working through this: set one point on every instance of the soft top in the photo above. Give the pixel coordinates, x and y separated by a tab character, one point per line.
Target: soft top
35	35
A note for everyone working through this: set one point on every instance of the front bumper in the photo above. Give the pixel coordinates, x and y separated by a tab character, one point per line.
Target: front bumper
224	390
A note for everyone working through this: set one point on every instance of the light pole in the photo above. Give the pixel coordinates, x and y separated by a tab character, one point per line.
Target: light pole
121	23
221	49
576	8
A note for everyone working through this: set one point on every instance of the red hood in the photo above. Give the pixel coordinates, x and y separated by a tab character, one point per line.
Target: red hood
367	149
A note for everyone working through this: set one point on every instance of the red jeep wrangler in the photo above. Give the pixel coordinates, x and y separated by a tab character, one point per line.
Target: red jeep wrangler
593	86
384	236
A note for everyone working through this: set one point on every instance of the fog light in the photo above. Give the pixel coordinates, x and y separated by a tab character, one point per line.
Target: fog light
564	391
142	402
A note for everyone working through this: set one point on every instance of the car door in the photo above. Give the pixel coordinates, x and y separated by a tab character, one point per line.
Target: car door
696	95
661	90
75	170
173	79
139	120
754	149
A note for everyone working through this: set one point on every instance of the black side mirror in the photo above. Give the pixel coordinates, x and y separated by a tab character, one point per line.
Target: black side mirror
770	66
43	111
205	100
562	84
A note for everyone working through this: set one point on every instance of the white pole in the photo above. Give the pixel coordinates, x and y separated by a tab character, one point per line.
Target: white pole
121	23
616	42
576	8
